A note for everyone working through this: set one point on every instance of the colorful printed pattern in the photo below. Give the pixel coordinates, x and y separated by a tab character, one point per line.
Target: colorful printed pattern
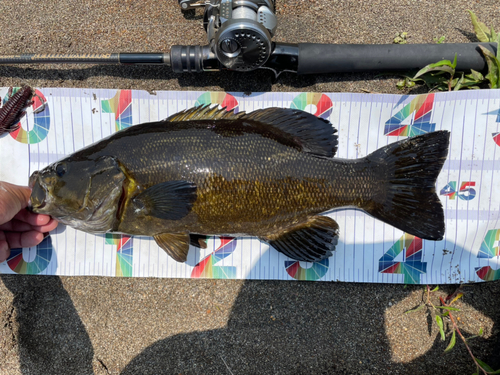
450	190
421	107
207	267
41	121
124	253
496	136
489	249
225	100
43	255
315	272
411	266
322	102
121	106
465	193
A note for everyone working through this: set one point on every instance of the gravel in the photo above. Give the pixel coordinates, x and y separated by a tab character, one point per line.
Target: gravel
100	325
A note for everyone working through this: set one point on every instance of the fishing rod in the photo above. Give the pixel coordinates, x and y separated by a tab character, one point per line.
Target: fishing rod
240	33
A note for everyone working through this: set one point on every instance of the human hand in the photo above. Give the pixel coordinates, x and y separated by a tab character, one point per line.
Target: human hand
18	226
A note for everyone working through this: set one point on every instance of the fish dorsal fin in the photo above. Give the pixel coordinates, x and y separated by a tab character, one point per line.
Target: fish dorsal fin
313	134
176	245
309	133
204	112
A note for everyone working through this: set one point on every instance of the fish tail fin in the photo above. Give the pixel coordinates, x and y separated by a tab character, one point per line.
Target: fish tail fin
407	199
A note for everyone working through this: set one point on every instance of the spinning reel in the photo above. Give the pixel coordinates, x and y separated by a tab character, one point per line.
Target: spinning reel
239	32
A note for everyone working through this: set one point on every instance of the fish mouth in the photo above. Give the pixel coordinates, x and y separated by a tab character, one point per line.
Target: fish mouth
38	193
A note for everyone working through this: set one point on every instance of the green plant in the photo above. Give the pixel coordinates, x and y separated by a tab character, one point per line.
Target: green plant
446	313
435	75
485	34
441	67
400	38
440	40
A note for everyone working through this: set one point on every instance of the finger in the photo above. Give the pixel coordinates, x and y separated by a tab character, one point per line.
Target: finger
16	226
20	226
13	198
21	193
32	218
50	226
4	251
24	239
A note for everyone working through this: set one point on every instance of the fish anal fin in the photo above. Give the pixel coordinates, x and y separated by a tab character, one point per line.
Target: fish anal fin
310	241
171	200
176	245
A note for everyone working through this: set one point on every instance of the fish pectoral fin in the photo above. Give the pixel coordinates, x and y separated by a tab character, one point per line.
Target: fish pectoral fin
176	245
311	241
170	200
198	240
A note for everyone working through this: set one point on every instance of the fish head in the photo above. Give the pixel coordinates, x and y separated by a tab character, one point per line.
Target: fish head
83	193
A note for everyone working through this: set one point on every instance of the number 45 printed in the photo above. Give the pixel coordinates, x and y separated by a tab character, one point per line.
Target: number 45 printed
466	192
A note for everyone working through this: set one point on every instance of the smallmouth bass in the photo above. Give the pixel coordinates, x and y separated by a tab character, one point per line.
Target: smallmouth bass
269	173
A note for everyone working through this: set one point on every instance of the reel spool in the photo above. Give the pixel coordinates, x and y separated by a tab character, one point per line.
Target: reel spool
239	32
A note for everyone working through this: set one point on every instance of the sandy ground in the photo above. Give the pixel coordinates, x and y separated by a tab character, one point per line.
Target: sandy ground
84	325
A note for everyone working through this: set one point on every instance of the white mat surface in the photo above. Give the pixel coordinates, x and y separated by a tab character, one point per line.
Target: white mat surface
368	251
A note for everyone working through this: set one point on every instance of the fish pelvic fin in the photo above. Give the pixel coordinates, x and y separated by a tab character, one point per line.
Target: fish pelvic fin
198	240
408	200
176	245
311	241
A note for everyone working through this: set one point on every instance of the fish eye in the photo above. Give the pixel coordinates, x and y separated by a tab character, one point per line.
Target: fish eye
60	169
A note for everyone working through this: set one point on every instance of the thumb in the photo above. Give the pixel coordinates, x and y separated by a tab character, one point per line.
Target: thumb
13	198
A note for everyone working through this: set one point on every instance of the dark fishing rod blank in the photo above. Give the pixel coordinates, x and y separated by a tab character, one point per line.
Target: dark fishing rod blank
105	58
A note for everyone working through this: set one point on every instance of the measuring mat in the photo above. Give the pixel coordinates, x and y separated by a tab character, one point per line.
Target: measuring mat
368	250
